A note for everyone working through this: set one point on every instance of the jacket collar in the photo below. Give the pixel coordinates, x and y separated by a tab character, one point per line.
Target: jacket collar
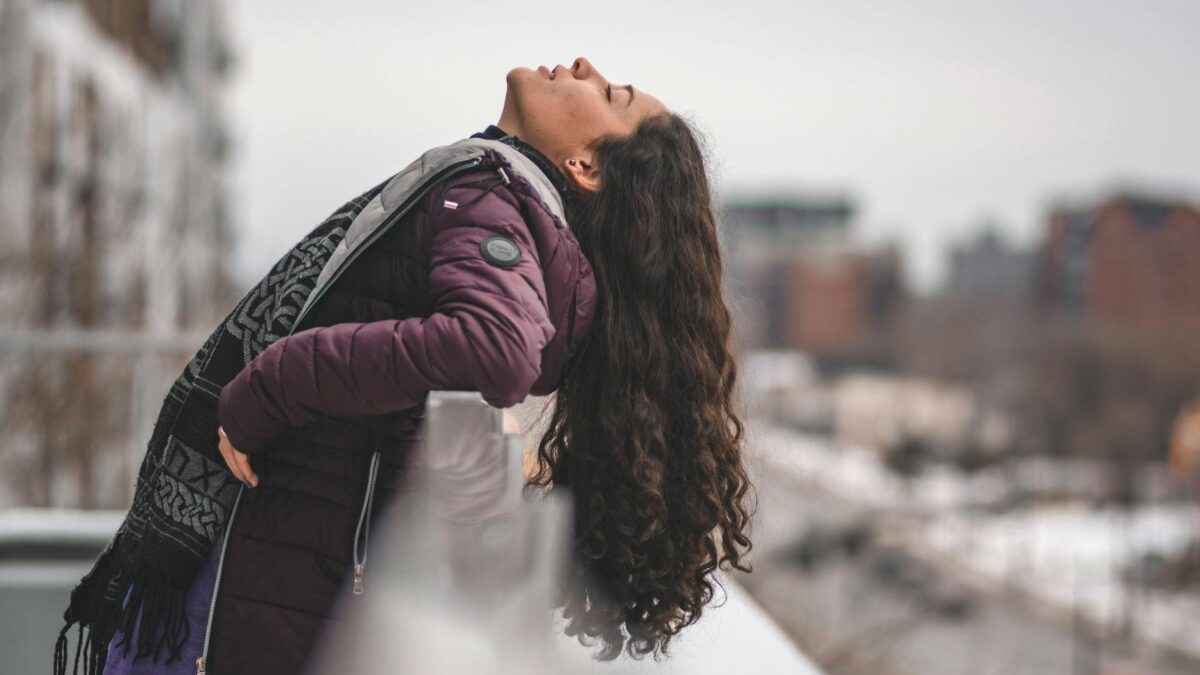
557	179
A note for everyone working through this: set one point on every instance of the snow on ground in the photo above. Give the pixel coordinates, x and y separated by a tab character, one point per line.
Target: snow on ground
854	472
1071	557
1068	557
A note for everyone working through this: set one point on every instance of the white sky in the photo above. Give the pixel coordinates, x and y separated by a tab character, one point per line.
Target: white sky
934	115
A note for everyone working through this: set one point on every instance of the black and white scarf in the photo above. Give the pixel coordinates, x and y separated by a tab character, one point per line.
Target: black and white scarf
184	491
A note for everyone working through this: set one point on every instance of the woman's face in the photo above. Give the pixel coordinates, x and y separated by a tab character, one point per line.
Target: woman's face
560	111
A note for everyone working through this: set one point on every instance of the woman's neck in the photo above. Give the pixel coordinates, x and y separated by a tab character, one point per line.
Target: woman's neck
556	176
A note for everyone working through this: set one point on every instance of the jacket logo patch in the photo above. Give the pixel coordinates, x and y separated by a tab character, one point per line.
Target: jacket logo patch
500	250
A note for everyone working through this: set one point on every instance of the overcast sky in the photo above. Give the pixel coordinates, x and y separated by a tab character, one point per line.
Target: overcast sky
934	116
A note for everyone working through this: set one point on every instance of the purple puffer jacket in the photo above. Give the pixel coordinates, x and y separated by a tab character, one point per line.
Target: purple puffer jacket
496	325
480	286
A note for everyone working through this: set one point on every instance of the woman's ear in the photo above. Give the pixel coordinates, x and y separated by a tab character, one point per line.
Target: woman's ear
585	174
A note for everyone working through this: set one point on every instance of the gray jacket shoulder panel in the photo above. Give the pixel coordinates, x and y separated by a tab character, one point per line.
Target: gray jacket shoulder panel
415	176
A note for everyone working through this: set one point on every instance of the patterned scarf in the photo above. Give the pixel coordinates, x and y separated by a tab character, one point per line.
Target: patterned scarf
184	492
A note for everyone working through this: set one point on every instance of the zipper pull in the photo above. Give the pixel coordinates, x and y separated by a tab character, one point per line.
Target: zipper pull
364	524
200	666
359	572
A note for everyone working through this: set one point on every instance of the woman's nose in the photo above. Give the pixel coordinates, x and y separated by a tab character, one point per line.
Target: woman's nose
582	68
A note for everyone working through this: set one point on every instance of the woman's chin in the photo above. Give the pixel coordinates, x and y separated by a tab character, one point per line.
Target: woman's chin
520	74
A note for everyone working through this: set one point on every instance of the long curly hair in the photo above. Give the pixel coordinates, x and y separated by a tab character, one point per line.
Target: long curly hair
646	431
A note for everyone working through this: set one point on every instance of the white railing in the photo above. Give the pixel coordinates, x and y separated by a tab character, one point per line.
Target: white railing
461	573
466	569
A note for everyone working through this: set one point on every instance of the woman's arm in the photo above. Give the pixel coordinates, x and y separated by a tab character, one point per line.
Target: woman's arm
486	333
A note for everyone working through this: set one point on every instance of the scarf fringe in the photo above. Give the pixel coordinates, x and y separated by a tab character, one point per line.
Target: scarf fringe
94	656
163	621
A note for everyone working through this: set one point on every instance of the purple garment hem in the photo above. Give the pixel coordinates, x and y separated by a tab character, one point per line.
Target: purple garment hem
196	605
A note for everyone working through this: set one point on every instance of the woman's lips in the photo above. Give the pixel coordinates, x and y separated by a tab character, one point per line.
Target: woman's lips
545	71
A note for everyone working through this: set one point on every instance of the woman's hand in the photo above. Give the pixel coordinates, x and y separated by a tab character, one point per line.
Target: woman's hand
238	462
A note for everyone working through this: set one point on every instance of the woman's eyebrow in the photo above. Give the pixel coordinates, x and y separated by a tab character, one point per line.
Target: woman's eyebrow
630	88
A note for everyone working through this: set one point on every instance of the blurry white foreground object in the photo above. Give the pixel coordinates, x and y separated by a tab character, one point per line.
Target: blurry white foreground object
463	572
463	568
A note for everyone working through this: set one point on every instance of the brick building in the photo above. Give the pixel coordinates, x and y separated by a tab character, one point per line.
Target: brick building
800	282
1129	260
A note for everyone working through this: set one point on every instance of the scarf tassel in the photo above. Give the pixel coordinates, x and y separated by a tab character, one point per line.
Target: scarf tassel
158	602
94	654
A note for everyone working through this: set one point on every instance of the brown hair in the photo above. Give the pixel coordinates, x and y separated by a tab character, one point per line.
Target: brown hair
645	431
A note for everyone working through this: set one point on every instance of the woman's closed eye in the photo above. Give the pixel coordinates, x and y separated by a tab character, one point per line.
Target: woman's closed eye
626	87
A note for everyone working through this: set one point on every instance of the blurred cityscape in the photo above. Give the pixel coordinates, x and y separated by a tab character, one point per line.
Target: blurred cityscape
1002	475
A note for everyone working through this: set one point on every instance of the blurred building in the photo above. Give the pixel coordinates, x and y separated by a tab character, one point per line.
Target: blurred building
988	269
114	212
114	197
1129	259
799	281
1062	261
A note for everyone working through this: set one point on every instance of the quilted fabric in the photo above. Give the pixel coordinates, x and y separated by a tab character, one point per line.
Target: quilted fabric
421	309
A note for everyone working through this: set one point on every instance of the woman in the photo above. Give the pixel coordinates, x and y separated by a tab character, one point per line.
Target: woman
573	250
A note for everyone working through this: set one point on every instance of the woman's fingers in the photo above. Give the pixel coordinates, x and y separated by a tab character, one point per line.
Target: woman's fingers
243	462
227	454
238	463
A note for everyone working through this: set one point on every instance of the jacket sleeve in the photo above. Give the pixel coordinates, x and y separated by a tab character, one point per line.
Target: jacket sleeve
486	333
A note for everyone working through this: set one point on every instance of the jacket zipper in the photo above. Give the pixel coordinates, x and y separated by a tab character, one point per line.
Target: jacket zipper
364	525
200	662
359	568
